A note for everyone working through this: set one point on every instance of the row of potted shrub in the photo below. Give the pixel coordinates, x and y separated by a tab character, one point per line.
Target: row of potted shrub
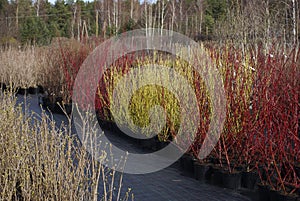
261	131
242	180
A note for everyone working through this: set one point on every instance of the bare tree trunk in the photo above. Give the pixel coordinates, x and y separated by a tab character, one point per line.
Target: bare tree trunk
84	30
151	19
120	19
146	16
284	41
199	4
201	21
108	14
73	22
163	7
97	23
146	21
17	14
38	8
173	14
131	8
186	24
104	29
298	21
78	30
180	16
244	31
294	22
115	16
268	25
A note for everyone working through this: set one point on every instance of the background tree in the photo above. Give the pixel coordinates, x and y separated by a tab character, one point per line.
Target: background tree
34	31
238	21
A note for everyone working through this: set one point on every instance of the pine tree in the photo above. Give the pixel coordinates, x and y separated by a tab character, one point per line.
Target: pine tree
34	31
215	12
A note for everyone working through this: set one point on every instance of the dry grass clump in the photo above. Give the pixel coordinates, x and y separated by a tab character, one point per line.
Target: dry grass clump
51	67
24	67
18	66
41	161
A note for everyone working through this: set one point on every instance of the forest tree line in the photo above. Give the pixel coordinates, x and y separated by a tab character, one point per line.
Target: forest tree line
242	21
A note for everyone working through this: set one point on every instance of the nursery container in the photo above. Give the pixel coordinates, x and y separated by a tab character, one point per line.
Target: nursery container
280	196
3	86
263	192
187	164
202	171
40	89
22	91
216	176
249	179
55	107
231	180
297	169
105	124
148	144
33	90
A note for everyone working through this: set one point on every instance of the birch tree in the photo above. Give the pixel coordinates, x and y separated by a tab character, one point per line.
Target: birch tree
294	21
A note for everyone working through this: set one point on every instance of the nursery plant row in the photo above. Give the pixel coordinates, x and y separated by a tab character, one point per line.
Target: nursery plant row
260	136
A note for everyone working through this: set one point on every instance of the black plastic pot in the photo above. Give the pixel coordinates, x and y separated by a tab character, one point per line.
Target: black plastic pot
155	144
3	86
26	91
297	169
40	89
148	144
202	171
18	195
61	108
22	91
161	145
249	179
232	180
44	101
212	160
104	124
33	90
68	108
263	192
188	164
216	176
280	196
181	161
55	107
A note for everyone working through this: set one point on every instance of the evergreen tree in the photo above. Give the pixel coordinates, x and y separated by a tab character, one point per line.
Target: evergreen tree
60	16
3	4
34	31
215	12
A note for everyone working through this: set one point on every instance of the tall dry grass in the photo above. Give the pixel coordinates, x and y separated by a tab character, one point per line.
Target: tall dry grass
20	67
31	66
41	160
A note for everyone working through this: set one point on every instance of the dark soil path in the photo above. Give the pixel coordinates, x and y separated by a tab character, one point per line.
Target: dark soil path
166	185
